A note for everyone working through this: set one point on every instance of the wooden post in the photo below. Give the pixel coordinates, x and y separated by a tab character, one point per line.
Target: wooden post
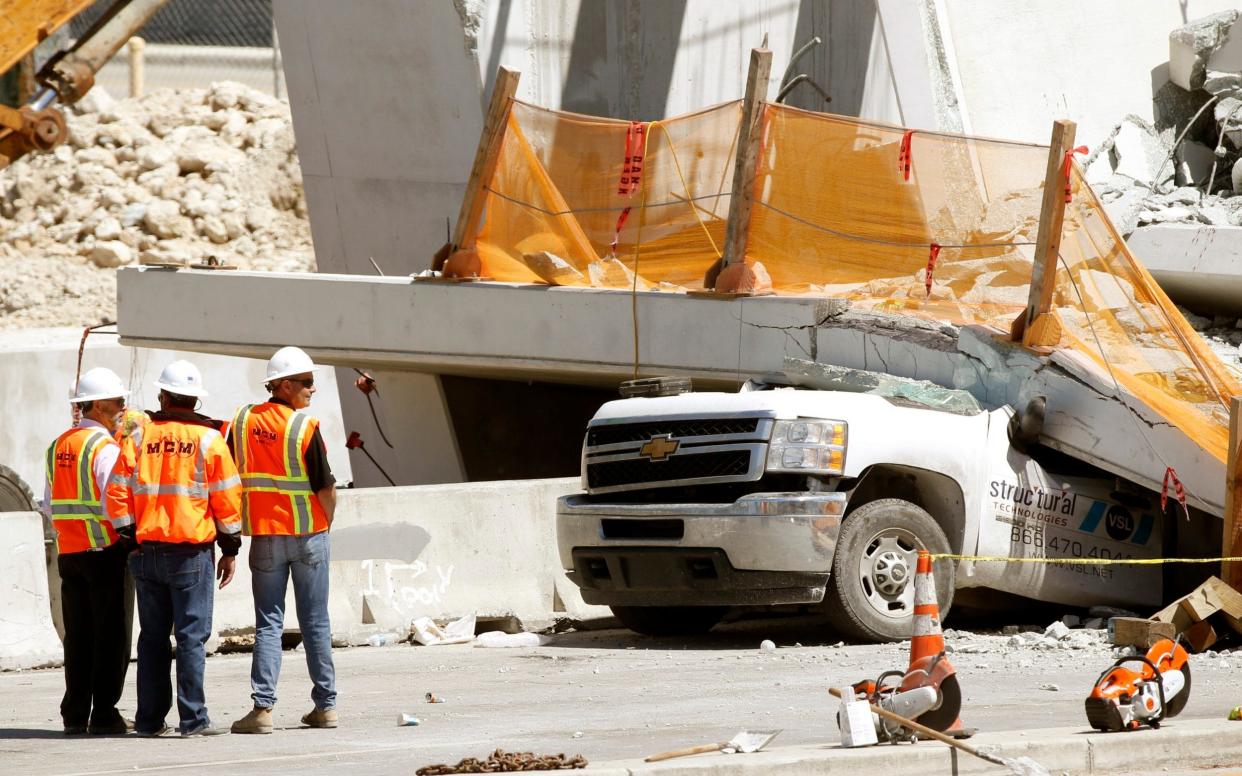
737	230
1048	240
26	83
485	158
1231	538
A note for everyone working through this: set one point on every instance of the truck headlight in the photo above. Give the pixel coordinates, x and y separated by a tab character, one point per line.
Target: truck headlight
811	446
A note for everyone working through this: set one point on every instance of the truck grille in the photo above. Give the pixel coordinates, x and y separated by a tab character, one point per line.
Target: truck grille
690	451
641	432
731	464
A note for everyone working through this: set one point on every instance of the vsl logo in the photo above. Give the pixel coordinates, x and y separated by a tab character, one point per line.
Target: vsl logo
1119	523
171	447
264	436
67	459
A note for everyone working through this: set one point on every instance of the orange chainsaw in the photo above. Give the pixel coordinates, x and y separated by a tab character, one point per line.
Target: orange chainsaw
1141	690
927	693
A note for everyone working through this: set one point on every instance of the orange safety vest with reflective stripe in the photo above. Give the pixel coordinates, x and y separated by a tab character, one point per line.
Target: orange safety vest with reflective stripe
76	503
175	482
270	442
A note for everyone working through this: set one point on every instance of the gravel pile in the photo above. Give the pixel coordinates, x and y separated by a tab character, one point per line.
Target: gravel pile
173	177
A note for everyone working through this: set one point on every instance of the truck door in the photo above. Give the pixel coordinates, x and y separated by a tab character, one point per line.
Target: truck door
1048	505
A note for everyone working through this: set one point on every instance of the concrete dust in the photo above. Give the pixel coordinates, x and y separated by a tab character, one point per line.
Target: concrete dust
173	177
1023	766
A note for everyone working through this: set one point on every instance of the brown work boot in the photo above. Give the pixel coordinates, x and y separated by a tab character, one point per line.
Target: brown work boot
259	720
320	718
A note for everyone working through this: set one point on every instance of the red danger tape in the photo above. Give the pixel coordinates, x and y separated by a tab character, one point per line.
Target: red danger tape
904	154
932	255
635	147
1069	160
631	173
1178	491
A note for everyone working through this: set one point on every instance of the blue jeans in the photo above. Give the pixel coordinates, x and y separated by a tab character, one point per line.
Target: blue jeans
176	591
273	559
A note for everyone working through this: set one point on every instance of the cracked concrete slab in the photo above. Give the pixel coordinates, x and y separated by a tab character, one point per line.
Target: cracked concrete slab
588	337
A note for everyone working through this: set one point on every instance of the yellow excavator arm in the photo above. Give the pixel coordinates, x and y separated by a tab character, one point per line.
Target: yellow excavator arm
68	75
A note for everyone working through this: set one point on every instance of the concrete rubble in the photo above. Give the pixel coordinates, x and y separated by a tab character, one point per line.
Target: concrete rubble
173	177
1186	168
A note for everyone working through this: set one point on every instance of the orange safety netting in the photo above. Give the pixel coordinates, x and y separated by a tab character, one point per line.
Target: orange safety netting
926	224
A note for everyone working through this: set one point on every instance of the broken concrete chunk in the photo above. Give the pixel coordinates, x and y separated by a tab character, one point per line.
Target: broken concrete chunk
834	378
1171	214
1193	45
1183	195
1215	215
553	269
1140	153
1057	631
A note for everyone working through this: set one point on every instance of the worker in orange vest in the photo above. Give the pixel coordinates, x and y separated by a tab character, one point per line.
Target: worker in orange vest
175	491
90	559
289	498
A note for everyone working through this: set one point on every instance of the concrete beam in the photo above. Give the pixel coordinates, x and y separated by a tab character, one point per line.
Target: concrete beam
585	337
1195	264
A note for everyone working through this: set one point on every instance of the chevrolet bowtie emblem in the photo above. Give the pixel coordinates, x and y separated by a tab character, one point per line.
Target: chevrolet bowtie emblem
659	447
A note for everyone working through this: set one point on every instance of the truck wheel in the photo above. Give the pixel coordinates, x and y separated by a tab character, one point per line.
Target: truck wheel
871	594
15	496
669	620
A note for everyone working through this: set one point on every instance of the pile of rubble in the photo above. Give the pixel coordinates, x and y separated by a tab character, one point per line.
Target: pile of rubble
1223	334
1187	167
176	177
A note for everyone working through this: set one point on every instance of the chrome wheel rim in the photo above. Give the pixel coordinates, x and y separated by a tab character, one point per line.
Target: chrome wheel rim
886	570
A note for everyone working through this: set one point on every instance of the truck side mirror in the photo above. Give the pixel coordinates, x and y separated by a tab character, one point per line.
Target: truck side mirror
1026	425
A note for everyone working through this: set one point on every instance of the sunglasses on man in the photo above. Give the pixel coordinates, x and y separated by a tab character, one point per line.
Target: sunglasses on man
306	382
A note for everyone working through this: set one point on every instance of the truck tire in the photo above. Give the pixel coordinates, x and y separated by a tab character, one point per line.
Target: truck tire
15	495
669	620
870	596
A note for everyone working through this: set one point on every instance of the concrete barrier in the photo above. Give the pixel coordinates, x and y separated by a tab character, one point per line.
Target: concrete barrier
441	551
487	548
27	637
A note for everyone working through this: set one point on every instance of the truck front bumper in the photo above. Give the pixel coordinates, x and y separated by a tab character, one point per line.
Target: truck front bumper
763	549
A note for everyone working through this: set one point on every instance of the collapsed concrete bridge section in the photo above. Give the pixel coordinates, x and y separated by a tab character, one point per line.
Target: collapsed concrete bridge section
596	337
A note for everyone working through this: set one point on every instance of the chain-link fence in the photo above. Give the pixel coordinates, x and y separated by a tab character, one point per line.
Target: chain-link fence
191	43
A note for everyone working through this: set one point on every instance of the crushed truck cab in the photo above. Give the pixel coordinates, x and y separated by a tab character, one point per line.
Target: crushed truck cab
698	502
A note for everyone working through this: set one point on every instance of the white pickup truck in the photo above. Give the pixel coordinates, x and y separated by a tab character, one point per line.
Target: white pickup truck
699	502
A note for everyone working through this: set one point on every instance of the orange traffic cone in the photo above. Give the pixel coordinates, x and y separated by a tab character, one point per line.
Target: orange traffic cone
928	638
928	662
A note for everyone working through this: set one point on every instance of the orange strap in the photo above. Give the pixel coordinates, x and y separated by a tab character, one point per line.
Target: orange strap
932	255
1069	160
1178	491
904	155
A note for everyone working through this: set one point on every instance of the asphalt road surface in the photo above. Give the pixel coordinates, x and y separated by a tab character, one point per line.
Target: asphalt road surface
607	695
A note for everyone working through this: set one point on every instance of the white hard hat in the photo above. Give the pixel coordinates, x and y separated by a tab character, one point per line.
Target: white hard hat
181	378
287	362
98	383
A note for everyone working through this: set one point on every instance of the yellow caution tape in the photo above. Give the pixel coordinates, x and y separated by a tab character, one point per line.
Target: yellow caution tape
1083	561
